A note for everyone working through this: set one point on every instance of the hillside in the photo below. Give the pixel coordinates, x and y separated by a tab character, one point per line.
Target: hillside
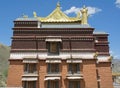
116	66
4	55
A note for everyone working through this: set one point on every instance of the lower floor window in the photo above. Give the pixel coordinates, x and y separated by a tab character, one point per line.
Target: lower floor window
73	68
29	84
74	84
53	84
30	68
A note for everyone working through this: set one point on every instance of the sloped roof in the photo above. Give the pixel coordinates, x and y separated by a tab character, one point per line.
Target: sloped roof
58	16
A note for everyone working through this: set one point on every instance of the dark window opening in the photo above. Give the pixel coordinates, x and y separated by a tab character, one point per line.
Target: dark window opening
53	68
29	84
30	68
74	84
53	47
74	68
53	84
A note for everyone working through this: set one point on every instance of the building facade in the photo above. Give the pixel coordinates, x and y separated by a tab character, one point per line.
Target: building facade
58	51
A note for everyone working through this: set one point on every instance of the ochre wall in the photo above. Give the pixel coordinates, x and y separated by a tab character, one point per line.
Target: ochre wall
104	70
42	73
15	73
89	73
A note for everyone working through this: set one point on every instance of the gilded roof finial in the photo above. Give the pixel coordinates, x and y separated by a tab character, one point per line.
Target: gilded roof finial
95	55
25	16
110	58
84	6
84	12
78	14
58	4
35	14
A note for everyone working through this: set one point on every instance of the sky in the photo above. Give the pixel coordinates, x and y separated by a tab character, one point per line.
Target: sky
104	16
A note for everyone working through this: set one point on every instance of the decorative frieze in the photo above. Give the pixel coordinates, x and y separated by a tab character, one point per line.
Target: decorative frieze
74	61
44	55
103	58
53	61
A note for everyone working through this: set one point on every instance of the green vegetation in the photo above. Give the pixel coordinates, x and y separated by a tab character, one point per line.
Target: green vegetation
4	56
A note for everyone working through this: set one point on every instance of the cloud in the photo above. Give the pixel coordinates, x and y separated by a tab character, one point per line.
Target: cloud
91	10
73	9
117	3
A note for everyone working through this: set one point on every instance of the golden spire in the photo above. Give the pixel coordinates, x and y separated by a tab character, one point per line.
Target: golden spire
84	12
58	4
25	16
35	14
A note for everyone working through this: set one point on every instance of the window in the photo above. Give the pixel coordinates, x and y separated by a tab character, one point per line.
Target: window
74	84
53	84
30	68
29	84
73	68
53	47
98	84
53	68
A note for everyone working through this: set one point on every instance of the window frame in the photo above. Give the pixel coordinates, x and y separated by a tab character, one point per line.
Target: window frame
27	84
30	68
55	84
72	84
58	47
53	68
74	68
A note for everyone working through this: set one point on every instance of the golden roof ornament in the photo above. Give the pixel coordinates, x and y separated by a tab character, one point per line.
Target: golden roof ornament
34	14
110	58
25	16
95	55
58	16
58	5
84	12
78	14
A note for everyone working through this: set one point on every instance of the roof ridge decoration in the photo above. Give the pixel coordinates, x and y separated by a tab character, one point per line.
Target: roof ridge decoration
84	12
58	16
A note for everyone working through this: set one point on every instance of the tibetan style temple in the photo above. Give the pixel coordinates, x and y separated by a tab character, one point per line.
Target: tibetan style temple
58	51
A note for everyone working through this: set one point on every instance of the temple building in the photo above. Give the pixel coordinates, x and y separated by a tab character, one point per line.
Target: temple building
58	51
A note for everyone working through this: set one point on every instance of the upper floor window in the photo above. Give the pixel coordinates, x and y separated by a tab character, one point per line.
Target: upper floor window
30	68
73	68
53	47
53	68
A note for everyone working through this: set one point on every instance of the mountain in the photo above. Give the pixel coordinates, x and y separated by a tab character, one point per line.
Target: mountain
116	65
4	56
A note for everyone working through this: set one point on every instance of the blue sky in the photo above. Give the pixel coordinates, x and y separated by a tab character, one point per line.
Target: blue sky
104	16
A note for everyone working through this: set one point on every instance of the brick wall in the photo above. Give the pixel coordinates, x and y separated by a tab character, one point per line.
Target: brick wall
89	73
15	73
64	72
42	73
104	70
